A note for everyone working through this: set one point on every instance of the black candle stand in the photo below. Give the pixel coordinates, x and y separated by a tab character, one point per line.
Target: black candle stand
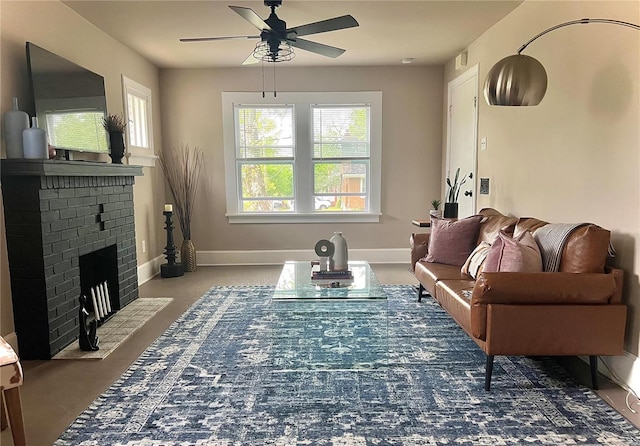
171	268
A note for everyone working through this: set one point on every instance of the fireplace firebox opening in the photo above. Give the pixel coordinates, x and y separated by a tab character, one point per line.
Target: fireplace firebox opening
99	279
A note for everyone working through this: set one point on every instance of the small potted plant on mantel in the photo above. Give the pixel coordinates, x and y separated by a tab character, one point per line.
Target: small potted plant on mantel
435	211
115	125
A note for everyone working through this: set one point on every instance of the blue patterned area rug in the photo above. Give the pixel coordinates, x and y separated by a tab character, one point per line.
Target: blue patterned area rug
238	369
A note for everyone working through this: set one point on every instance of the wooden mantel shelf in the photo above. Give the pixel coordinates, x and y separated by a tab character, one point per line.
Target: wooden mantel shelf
46	168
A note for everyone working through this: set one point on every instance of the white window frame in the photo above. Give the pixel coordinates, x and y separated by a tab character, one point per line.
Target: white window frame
302	102
144	156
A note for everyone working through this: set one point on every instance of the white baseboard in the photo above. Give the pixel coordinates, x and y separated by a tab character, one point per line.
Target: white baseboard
625	367
149	270
275	257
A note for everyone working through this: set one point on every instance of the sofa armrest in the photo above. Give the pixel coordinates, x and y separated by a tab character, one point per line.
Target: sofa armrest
539	289
419	244
618	275
544	288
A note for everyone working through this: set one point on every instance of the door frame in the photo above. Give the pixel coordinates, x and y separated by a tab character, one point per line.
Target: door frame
471	73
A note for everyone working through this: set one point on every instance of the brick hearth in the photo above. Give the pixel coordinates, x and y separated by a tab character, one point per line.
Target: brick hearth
55	212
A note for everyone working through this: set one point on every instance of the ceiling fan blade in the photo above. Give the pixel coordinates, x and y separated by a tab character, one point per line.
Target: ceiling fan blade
345	21
205	39
250	60
253	18
315	47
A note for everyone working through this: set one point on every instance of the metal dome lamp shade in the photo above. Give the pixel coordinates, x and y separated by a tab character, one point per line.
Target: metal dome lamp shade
521	80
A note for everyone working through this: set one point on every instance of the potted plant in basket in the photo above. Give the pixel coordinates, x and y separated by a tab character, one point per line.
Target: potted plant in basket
181	166
115	125
451	205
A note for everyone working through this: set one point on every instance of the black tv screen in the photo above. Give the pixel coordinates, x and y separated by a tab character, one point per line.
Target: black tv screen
69	102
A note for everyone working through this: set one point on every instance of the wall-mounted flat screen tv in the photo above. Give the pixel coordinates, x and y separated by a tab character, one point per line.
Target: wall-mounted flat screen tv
69	102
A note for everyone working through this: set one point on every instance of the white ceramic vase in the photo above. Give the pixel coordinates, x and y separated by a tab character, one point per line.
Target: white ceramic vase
34	142
15	122
340	254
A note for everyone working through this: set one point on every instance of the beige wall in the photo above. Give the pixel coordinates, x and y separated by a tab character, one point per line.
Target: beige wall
411	149
575	157
53	26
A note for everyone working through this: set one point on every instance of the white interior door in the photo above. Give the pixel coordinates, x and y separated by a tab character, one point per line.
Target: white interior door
462	131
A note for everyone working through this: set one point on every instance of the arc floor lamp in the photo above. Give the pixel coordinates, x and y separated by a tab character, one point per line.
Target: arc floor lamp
522	80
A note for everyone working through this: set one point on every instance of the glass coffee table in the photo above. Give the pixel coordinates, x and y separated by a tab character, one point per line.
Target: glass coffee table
330	324
295	283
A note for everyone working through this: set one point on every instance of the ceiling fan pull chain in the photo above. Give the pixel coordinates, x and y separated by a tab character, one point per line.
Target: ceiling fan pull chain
274	81
262	68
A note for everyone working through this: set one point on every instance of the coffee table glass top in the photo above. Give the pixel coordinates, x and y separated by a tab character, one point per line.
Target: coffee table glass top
295	283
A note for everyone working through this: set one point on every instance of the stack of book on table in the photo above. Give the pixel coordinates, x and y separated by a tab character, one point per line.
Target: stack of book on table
331	275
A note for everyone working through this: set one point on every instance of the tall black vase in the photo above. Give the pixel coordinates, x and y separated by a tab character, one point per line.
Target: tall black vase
116	143
451	210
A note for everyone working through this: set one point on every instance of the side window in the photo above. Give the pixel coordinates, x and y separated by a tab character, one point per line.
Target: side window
139	132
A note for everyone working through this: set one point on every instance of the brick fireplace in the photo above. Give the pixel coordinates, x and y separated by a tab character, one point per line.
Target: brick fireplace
57	213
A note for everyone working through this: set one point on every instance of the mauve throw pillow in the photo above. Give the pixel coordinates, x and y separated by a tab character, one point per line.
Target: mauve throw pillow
508	254
451	241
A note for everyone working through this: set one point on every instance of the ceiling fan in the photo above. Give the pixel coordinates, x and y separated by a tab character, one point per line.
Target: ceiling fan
276	39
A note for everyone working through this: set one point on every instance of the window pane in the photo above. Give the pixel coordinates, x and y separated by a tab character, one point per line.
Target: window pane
264	132
267	205
267	180
341	132
138	121
353	203
343	184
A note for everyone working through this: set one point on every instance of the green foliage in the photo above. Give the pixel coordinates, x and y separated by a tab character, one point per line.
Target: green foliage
436	204
454	188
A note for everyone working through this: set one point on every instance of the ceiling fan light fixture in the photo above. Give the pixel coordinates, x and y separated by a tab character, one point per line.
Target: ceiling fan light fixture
266	52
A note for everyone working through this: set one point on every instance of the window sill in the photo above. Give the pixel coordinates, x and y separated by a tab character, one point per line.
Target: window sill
142	160
324	217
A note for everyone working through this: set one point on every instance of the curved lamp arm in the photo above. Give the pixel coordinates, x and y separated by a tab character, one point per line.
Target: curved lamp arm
522	80
579	22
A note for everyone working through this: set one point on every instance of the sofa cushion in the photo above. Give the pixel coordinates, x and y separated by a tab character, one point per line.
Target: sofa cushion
475	262
492	223
452	241
586	250
514	254
429	273
454	297
528	224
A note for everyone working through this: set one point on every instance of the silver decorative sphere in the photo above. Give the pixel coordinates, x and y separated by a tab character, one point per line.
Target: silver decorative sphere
516	80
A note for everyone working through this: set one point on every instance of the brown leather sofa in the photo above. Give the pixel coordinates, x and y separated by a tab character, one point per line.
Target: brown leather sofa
575	311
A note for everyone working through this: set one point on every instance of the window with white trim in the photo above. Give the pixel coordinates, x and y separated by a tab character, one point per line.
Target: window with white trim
139	131
303	157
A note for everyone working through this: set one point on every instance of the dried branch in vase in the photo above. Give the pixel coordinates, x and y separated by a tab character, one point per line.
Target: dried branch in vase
181	166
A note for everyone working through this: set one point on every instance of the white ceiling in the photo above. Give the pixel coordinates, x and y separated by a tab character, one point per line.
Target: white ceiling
429	31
